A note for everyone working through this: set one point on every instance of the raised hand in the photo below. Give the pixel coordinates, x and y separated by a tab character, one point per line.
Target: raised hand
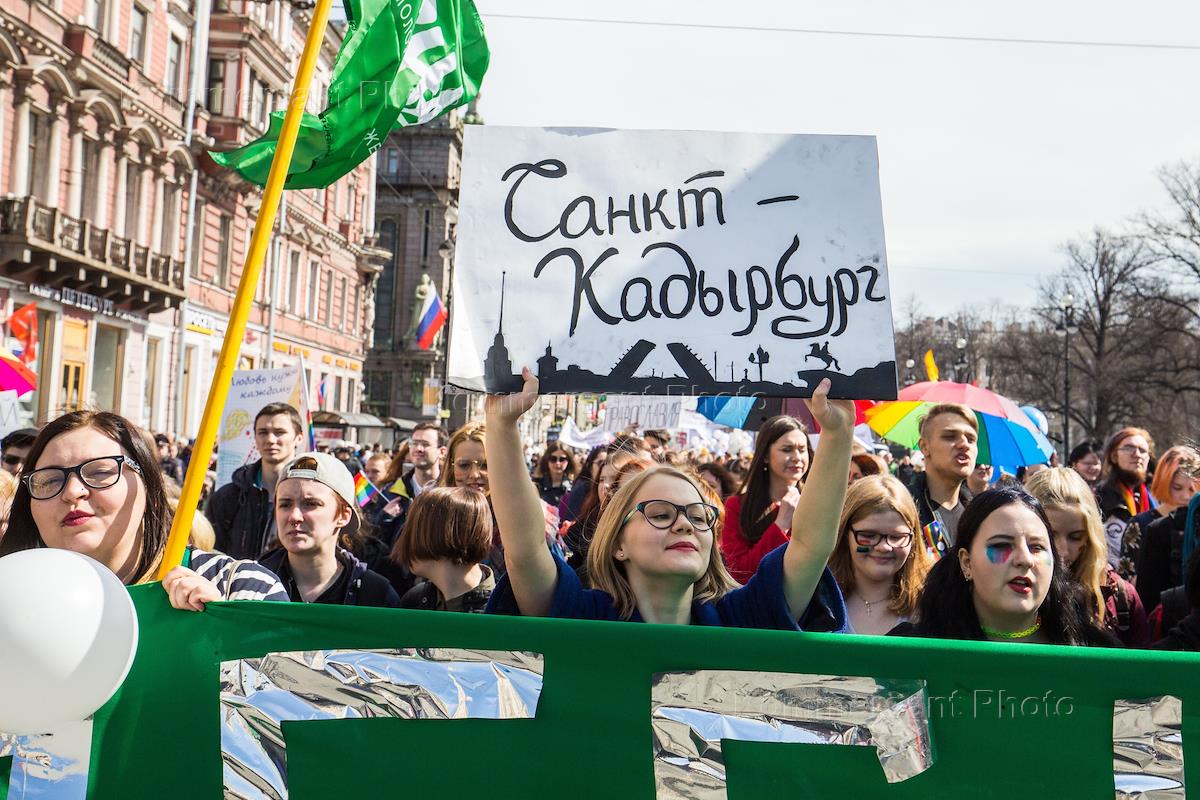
834	416
510	407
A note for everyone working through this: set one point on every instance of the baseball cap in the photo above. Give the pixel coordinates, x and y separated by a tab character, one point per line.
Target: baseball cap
326	469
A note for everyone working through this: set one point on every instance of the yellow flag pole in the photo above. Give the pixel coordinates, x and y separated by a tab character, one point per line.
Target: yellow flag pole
189	498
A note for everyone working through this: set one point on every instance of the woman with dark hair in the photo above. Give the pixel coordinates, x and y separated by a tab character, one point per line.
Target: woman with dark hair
91	485
554	472
589	473
1085	459
718	478
1004	582
758	518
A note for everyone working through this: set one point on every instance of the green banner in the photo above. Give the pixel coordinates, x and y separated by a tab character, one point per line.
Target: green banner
1005	720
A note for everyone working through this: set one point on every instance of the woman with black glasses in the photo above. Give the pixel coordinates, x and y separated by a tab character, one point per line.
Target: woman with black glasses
655	556
92	486
875	563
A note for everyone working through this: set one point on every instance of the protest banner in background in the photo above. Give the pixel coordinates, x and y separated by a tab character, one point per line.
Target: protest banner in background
251	390
965	718
646	411
671	263
10	412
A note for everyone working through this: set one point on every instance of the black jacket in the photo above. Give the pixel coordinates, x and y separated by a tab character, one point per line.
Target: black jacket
1184	636
242	516
425	596
1160	557
919	488
364	587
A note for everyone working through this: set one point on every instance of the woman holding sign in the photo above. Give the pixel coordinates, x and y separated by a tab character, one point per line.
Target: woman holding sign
1005	581
654	557
758	519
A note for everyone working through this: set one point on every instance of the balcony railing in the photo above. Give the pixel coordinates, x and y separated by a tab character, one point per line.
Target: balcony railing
111	57
26	218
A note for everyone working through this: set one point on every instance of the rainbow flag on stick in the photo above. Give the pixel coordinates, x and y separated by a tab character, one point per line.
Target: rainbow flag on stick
364	490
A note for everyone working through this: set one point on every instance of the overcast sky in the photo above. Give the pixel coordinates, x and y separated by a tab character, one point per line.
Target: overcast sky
992	155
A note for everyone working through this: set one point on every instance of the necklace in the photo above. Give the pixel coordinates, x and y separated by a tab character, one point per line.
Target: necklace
1032	629
869	603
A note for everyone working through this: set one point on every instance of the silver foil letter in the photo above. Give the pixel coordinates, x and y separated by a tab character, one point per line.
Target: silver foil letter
1148	748
692	712
257	694
51	766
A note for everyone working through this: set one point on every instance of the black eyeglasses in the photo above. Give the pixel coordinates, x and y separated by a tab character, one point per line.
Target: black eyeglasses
96	473
872	538
662	514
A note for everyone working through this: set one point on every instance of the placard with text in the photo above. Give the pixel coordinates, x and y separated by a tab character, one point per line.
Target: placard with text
671	263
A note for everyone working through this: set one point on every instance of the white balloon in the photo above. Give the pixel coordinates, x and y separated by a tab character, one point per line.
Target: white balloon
68	634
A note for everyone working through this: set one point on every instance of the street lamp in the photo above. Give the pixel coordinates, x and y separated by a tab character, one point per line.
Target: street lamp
1065	327
909	378
961	365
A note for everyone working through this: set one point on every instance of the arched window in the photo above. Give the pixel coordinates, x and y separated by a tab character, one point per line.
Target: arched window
385	289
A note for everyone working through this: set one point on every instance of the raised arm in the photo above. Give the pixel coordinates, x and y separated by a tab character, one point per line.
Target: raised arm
531	569
815	521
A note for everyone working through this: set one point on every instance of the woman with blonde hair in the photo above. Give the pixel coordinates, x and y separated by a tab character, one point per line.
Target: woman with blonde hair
880	572
466	459
1079	538
655	557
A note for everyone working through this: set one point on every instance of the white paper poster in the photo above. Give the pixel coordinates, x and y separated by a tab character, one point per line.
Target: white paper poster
648	412
671	263
250	391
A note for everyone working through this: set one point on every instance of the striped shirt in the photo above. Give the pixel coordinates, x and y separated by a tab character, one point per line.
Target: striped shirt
237	580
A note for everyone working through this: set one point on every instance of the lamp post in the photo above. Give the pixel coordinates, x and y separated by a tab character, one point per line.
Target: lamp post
961	366
909	380
1065	327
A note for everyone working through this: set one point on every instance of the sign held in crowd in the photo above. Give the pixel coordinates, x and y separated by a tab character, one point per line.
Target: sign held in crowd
251	390
671	263
646	411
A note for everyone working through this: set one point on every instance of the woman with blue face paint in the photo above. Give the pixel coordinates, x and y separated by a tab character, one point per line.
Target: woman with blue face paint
1004	581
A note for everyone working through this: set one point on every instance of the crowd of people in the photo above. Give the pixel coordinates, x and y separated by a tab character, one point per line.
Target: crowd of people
837	538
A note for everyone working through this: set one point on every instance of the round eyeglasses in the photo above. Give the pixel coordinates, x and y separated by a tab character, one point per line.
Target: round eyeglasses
872	538
663	513
97	473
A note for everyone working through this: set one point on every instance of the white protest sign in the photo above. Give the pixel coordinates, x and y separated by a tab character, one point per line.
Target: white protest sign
647	411
250	391
671	263
10	412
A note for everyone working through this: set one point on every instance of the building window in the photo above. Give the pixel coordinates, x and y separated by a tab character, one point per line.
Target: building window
354	308
386	287
314	288
258	101
39	141
344	298
352	203
150	387
293	304
197	240
137	34
392	165
97	16
329	298
107	368
426	231
214	94
133	201
337	393
168	234
174	63
350	405
224	250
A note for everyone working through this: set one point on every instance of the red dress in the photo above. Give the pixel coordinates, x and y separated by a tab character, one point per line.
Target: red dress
742	557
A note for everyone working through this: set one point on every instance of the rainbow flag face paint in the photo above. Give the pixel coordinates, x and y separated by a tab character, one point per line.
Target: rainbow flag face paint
998	553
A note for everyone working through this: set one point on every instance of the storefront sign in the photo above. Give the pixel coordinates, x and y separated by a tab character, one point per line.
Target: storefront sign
88	302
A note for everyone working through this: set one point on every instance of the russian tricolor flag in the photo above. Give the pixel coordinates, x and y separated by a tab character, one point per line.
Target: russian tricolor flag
433	317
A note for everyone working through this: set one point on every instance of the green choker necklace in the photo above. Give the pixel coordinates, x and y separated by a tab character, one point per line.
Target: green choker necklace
1030	631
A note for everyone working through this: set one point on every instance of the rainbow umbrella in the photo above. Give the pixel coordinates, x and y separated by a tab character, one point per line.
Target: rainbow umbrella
1007	437
14	375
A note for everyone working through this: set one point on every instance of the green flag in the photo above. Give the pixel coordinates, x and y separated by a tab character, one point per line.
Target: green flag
402	62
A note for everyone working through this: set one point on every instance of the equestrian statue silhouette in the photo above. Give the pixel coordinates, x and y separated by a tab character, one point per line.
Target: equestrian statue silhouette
821	352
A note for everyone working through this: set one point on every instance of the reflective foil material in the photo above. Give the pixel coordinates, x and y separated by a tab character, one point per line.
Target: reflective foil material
1148	748
691	712
52	766
257	694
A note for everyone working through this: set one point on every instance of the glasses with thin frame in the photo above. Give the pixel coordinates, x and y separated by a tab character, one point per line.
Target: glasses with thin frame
662	514
1133	450
465	464
96	473
872	538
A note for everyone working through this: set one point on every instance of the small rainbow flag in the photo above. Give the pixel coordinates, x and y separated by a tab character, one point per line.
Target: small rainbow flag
364	490
935	539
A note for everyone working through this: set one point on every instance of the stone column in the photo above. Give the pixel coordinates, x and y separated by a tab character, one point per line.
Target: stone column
119	198
75	174
54	156
19	181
